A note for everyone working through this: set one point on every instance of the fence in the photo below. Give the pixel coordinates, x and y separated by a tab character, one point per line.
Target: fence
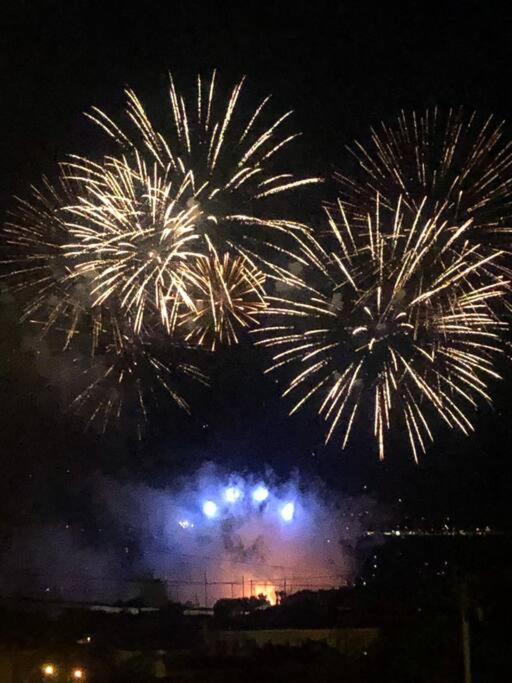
207	591
201	592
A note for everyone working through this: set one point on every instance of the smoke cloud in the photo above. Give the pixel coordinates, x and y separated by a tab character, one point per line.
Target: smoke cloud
213	534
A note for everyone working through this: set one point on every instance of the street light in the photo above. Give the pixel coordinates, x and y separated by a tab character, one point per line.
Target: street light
49	670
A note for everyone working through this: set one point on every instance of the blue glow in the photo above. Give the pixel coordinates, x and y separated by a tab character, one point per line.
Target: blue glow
210	509
287	512
260	494
232	494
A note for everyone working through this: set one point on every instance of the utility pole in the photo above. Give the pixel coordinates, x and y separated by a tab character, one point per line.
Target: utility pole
466	635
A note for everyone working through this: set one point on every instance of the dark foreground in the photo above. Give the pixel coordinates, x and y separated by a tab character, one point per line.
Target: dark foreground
365	635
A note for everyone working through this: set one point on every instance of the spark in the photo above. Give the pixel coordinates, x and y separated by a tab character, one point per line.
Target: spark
391	323
132	234
185	524
228	157
36	268
158	236
110	342
227	294
129	372
460	160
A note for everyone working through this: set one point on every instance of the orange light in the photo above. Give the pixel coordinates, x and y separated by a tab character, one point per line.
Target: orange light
78	674
49	670
266	589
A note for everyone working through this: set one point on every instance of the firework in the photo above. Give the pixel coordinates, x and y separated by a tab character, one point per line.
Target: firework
129	373
157	235
461	162
132	233
396	319
72	276
227	294
121	234
227	156
36	267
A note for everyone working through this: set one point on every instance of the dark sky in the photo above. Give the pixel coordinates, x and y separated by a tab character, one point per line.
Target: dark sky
343	66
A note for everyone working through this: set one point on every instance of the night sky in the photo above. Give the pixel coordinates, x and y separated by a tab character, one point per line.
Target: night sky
342	67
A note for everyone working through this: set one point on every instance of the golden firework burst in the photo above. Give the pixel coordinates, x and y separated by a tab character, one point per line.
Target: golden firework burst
228	294
130	372
461	161
397	319
131	233
36	266
228	156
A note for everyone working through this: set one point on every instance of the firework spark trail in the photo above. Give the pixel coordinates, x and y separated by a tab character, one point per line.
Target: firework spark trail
132	233
228	294
173	198
36	267
112	348
129	373
460	160
157	235
400	319
226	156
397	312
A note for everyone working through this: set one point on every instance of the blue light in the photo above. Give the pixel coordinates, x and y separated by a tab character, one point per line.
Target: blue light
232	494
260	494
210	509
287	512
